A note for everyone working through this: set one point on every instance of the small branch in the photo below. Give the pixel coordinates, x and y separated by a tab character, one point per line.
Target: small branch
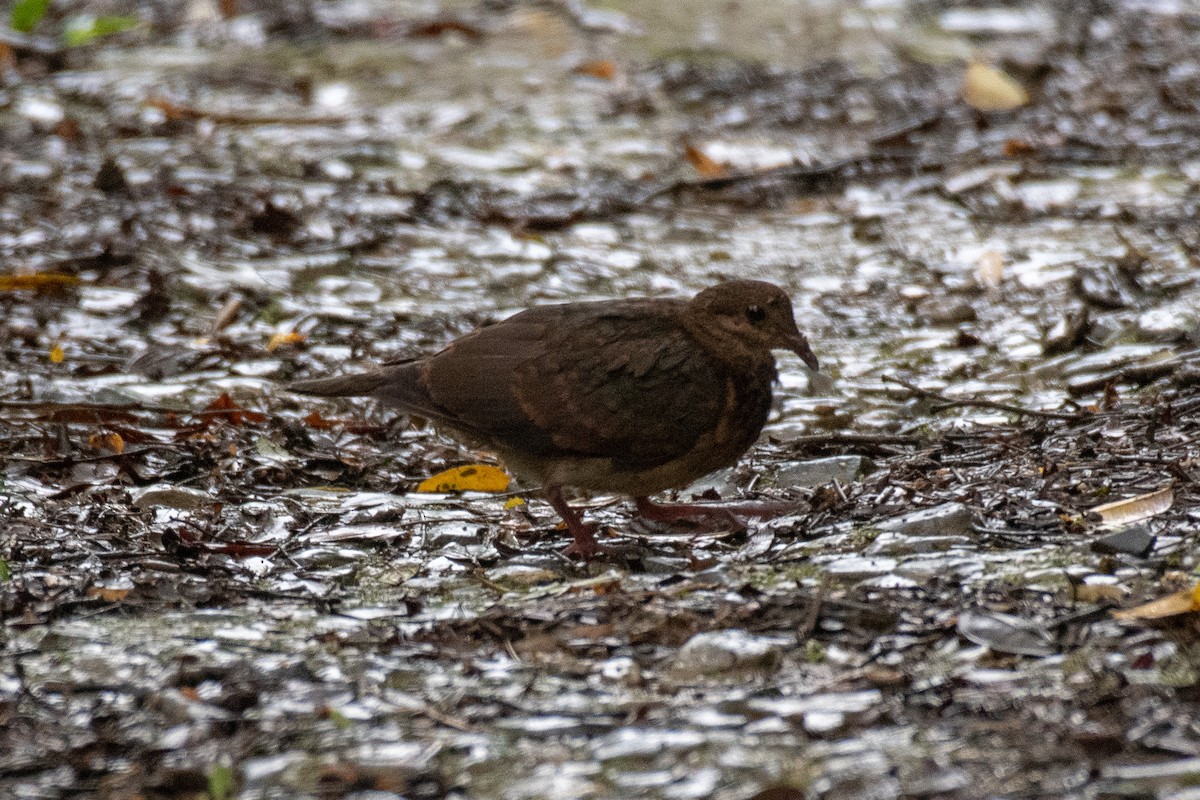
859	439
1010	408
66	461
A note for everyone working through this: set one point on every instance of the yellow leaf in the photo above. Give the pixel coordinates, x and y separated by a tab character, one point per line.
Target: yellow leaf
1181	602
1135	509
514	502
37	282
107	441
469	478
280	339
986	88
56	354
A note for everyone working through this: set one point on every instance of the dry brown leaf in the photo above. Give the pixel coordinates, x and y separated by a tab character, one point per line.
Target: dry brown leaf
1135	509
1184	601
339	774
68	129
1099	593
1015	148
986	88
173	111
107	594
441	27
107	441
705	166
603	68
224	408
317	422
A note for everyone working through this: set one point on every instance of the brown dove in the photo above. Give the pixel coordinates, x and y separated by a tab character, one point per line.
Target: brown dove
628	397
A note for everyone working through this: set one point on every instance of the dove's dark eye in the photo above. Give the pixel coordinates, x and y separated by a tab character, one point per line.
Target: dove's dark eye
756	314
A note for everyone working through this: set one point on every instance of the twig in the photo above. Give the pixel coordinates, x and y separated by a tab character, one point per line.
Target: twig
812	614
787	172
66	461
852	439
994	405
51	405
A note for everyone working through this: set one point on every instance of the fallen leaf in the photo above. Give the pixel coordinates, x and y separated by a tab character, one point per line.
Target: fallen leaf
224	408
56	354
1005	633
68	130
1015	148
440	27
26	14
336	774
602	68
83	28
281	339
1135	509
986	88
107	594
514	502
1184	601
1099	593
37	282
705	166
171	110
107	441
991	269
469	478
221	782
317	422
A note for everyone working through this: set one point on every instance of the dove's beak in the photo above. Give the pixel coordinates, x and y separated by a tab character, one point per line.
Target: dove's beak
799	345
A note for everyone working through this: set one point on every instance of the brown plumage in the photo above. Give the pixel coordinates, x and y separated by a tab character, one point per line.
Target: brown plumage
625	397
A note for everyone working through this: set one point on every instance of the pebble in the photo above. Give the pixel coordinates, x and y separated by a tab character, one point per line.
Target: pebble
820	471
897	544
714	652
948	519
1135	540
819	713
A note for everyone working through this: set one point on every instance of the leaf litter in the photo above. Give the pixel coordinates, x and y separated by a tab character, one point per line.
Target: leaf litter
209	586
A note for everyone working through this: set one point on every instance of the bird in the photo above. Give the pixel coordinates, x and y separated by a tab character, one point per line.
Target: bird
628	397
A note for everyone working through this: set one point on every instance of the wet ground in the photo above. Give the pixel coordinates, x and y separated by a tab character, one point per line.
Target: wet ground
211	587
